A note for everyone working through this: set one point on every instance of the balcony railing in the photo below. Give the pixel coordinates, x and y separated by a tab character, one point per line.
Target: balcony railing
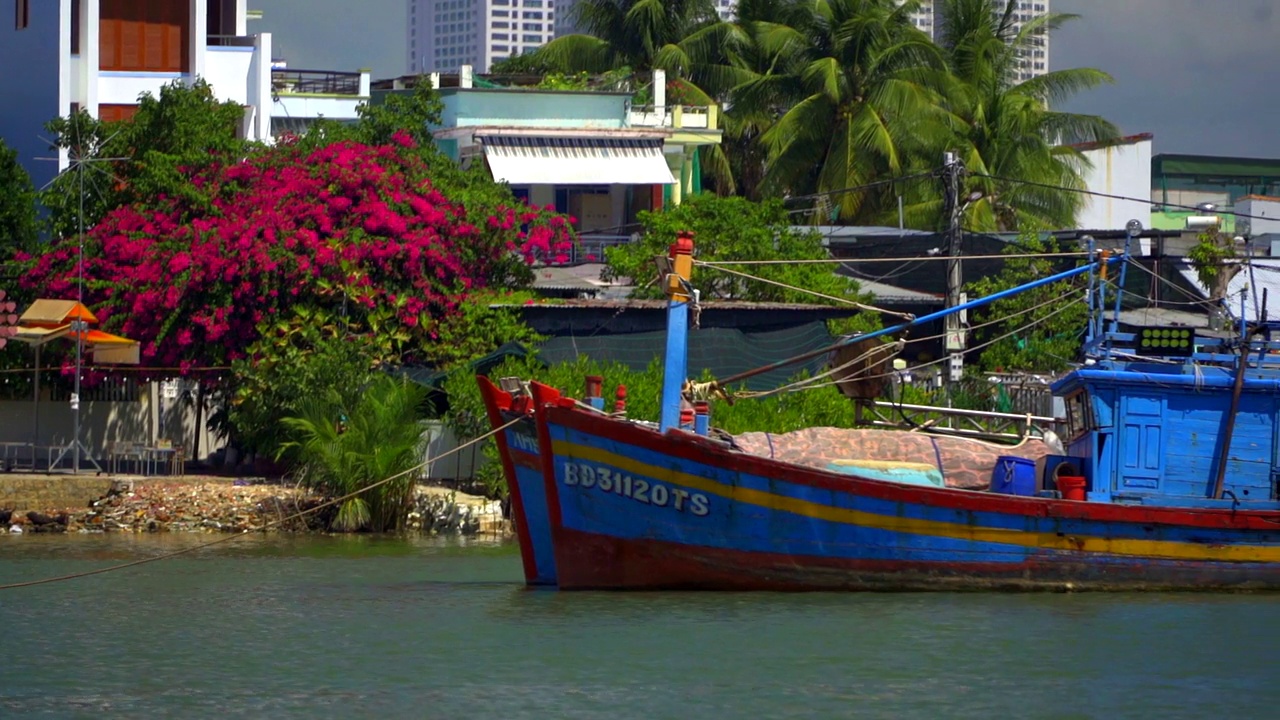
590	248
229	41
692	117
315	82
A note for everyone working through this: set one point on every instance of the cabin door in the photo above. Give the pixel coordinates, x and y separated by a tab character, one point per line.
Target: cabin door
1141	443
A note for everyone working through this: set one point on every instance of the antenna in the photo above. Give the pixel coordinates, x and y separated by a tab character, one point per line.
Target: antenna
82	155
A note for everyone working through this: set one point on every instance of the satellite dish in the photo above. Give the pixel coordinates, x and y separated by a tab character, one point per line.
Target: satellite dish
1133	228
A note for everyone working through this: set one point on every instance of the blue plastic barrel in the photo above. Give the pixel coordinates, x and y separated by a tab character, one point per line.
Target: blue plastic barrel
1014	476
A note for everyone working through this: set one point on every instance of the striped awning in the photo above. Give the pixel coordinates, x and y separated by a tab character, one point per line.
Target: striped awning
525	160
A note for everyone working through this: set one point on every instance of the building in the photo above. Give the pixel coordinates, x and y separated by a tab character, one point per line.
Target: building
1119	168
923	17
1185	186
1034	59
444	35
590	154
101	55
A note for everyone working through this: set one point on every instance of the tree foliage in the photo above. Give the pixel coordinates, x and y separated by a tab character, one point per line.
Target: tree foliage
349	228
347	442
849	101
18	223
1043	326
182	131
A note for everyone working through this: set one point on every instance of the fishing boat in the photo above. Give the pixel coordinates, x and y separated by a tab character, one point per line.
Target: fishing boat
1166	480
511	408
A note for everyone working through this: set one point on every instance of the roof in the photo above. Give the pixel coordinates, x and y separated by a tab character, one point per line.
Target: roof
1262	198
1213	165
883	292
1264	277
571	277
1126	140
56	312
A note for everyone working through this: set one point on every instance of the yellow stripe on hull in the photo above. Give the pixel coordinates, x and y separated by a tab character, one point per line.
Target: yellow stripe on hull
1124	547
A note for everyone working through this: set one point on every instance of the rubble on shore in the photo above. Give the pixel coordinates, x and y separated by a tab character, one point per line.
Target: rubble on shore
244	505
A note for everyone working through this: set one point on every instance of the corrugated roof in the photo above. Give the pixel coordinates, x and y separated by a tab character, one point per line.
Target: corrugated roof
1265	276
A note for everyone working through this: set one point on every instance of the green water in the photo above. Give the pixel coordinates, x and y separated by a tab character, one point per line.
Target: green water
338	627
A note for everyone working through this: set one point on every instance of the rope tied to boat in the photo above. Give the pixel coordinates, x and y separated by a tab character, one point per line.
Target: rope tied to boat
269	525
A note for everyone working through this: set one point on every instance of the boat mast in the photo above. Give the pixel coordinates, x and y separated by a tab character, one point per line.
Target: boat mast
675	283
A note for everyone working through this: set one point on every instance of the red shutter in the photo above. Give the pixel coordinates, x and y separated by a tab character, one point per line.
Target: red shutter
116	113
145	35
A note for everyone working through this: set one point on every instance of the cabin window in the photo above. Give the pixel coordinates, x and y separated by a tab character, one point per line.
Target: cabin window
1078	415
22	19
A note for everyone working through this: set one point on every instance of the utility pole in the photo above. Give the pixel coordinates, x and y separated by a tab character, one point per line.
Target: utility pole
954	329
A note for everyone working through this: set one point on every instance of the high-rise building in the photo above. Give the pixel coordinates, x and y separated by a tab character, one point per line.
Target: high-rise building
565	20
923	17
1035	57
444	35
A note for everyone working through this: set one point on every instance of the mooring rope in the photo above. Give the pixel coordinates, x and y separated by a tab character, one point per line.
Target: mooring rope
281	521
846	301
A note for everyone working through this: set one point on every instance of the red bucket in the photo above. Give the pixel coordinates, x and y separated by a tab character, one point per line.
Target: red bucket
1071	487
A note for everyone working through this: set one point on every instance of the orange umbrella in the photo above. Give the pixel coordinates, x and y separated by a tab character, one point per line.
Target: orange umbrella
47	320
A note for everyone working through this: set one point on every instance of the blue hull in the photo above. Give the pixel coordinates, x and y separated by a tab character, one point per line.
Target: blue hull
635	509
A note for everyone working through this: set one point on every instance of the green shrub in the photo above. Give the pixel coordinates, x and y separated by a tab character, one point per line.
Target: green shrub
343	446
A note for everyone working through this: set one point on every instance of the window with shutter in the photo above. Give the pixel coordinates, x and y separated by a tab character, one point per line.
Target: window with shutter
144	35
116	113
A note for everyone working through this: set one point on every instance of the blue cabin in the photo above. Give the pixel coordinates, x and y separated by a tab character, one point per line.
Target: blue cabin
1152	431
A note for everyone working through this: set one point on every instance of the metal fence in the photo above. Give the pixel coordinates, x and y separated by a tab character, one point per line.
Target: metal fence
590	248
316	82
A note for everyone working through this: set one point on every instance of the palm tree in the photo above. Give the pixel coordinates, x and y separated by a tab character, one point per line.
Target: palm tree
1007	127
641	35
855	89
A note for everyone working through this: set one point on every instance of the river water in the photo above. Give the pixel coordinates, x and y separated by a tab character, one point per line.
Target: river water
358	627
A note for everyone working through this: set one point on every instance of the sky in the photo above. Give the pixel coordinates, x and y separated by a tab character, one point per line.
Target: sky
1196	74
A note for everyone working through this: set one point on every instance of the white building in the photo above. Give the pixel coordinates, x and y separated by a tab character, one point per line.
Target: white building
61	56
1121	168
924	17
444	35
1035	57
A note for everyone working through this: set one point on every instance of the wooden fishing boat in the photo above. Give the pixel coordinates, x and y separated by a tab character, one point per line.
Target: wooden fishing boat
1171	467
522	466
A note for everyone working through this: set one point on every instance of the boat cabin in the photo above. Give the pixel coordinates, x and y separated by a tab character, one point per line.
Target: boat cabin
1152	430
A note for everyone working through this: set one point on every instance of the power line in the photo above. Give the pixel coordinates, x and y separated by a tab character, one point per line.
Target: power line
1109	196
858	188
837	261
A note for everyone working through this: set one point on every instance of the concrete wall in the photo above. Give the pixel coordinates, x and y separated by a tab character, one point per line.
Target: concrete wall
527	108
1123	170
35	83
1264	216
227	70
50	492
51	422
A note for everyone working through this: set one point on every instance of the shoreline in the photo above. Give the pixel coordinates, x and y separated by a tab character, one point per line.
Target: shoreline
211	504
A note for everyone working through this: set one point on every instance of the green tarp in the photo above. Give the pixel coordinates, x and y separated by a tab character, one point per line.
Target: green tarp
722	351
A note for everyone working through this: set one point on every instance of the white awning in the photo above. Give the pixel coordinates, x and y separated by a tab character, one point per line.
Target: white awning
521	160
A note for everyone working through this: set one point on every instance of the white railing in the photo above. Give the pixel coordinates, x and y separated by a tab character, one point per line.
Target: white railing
590	248
692	117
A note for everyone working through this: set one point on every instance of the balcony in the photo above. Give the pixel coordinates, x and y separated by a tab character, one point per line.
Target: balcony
675	117
319	82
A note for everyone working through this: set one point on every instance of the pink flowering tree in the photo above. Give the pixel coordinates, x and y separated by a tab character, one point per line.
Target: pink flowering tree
362	232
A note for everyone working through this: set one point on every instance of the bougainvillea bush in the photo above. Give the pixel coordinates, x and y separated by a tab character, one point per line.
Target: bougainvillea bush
384	236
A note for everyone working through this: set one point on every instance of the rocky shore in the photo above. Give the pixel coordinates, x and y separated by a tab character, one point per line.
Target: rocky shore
223	505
